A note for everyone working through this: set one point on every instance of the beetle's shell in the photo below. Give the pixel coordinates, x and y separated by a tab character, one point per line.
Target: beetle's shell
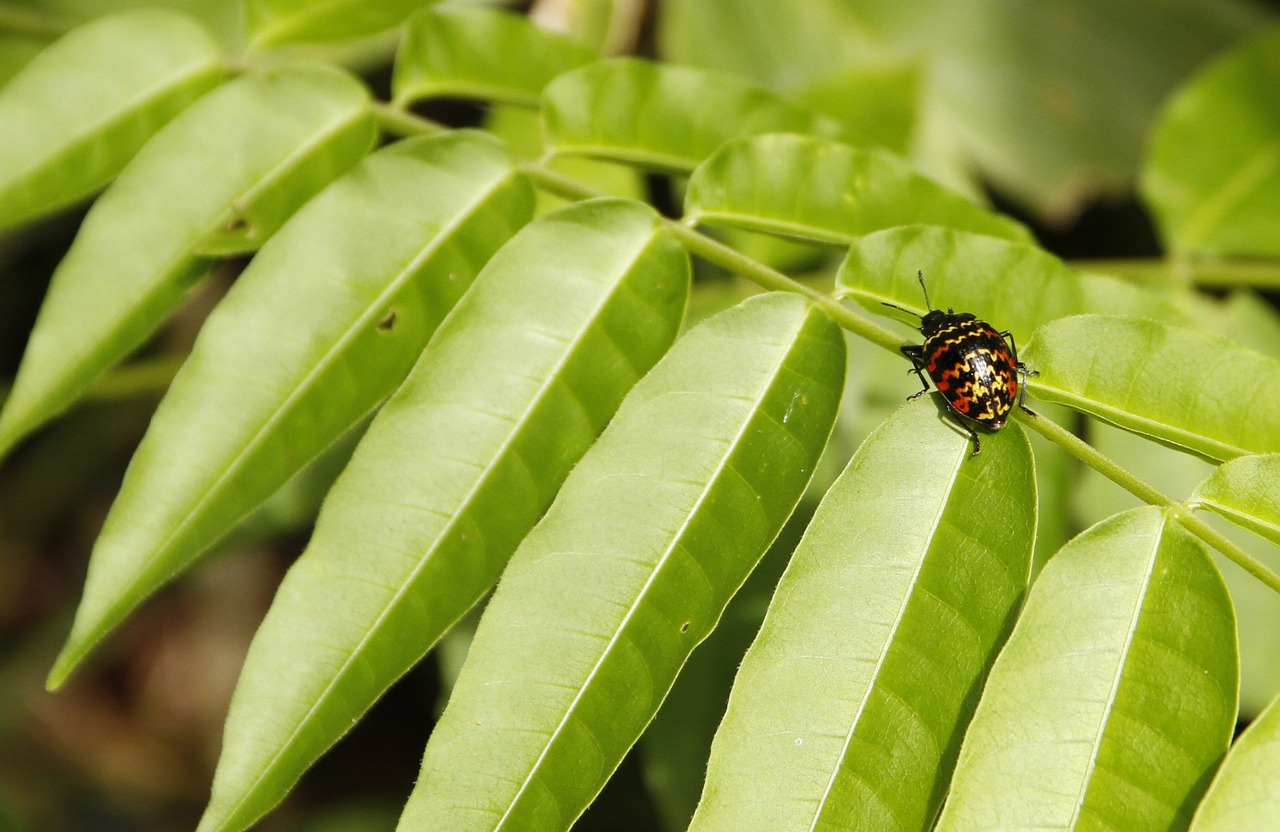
972	367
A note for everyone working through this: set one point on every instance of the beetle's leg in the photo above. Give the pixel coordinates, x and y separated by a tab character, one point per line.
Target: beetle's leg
1022	369
977	443
1013	345
1022	388
915	353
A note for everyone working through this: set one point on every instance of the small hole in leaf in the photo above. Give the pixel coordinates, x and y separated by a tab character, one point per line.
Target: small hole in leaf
388	322
684	628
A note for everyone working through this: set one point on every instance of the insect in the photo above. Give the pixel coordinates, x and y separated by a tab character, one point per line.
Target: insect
971	366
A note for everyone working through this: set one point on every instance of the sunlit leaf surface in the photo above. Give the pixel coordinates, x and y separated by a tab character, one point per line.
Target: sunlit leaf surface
221	177
130	73
1180	386
454	471
323	325
632	566
849	708
1115	698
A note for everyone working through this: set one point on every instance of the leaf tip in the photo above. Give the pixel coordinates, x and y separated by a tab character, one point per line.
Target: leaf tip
63	666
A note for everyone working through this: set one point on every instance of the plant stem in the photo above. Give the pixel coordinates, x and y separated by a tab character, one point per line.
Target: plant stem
405	123
557	184
1259	273
1148	493
730	258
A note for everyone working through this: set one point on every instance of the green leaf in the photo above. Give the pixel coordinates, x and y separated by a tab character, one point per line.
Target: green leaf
1245	795
651	534
823	190
779	45
16	51
876	104
221	177
224	19
74	116
1246	491
1185	388
484	54
849	708
275	22
1248	318
1115	698
324	323
1013	285
516	385
661	116
1213	173
674	747
1174	472
1107	295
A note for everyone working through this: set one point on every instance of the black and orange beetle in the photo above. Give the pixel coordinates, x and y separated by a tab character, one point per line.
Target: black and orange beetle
972	366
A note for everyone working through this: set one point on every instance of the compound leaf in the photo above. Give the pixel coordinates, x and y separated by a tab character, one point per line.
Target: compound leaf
323	325
129	74
455	470
1115	698
468	53
1213	173
653	531
1183	387
220	177
849	707
818	189
661	116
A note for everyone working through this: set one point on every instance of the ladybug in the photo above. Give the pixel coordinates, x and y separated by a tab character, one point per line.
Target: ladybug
971	366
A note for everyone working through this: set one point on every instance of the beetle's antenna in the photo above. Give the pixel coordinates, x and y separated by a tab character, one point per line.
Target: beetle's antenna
901	309
920	277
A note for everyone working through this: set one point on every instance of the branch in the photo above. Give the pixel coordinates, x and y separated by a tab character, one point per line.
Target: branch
713	251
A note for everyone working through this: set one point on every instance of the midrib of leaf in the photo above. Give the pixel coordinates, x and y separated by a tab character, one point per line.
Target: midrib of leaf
1119	675
268	179
884	653
132	105
809	233
1204	222
330	356
666	162
712	482
1243	518
515	432
1130	421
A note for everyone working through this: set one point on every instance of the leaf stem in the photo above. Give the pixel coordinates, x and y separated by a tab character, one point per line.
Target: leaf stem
1148	493
1259	273
401	122
713	251
557	184
730	258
